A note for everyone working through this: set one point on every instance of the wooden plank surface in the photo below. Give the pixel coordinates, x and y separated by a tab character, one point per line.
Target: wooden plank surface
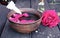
54	6
23	3
3	13
46	32
34	4
10	33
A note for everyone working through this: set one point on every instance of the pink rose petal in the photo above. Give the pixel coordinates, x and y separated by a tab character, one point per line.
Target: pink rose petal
26	15
13	19
18	21
17	15
24	21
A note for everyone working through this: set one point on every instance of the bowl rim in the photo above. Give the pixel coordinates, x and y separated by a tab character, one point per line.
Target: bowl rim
23	10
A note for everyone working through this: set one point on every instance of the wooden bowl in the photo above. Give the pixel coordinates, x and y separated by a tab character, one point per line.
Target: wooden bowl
28	27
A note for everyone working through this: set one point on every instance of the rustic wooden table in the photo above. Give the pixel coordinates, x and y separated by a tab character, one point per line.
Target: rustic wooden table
41	32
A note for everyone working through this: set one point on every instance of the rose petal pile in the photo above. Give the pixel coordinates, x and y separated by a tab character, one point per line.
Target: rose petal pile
17	18
50	18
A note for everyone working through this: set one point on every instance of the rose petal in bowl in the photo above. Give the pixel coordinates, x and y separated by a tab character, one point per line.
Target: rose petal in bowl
26	15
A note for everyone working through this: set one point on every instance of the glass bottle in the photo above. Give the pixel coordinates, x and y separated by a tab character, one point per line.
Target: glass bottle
41	7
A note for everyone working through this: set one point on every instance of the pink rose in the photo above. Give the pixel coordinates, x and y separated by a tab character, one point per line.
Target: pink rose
50	18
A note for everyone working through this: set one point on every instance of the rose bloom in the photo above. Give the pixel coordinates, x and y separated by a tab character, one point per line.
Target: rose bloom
50	18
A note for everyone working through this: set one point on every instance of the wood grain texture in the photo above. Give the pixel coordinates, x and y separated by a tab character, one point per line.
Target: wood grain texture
3	13
45	32
34	4
23	3
10	33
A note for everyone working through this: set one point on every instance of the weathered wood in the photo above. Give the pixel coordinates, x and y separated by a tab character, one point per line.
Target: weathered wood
45	32
23	3
3	13
10	33
34	4
55	5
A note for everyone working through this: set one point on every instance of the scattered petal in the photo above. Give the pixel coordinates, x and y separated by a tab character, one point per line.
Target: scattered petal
26	15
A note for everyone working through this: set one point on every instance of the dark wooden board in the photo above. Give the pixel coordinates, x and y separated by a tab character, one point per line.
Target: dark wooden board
10	33
3	13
